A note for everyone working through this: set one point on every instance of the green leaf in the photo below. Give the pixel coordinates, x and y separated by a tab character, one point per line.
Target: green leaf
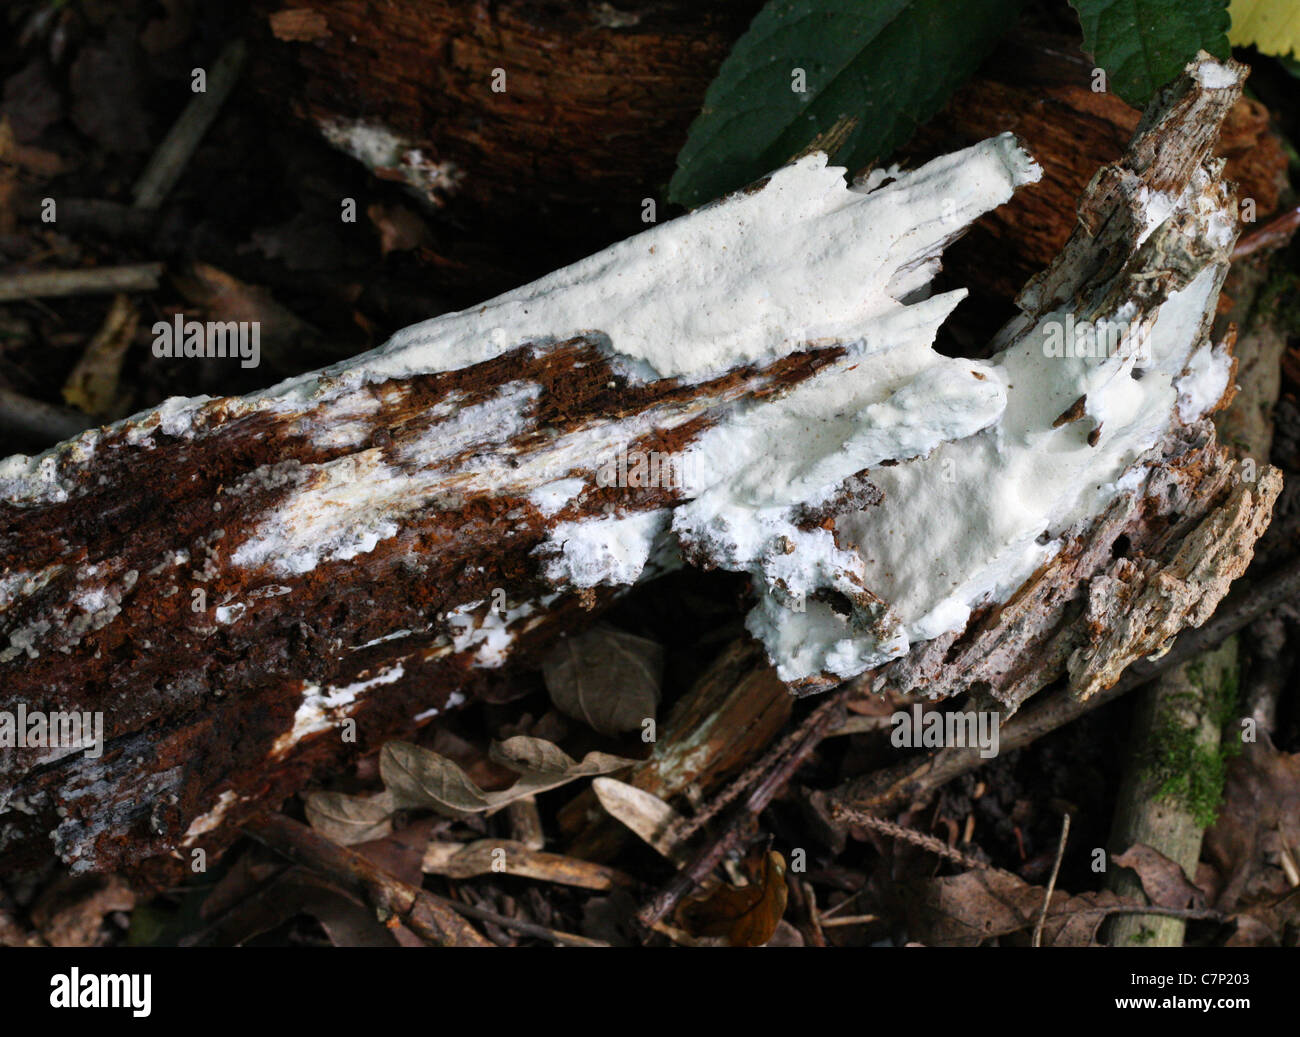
872	71
1143	44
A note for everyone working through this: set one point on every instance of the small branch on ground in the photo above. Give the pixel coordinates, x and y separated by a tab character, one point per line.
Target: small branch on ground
814	728
428	916
1051	882
927	842
102	280
174	153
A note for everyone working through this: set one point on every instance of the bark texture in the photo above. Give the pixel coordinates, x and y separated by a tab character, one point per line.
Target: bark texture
221	682
598	99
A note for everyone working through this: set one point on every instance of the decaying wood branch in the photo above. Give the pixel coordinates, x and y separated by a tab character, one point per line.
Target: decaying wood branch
247	590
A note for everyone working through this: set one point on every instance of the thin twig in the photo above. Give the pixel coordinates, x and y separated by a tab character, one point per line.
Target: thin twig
1051	882
99	280
813	730
688	827
520	925
830	912
173	155
927	842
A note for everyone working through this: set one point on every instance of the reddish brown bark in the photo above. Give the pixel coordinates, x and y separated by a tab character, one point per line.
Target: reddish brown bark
598	103
197	706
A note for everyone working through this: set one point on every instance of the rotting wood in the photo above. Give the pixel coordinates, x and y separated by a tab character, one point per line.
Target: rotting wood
344	545
915	780
222	705
1175	756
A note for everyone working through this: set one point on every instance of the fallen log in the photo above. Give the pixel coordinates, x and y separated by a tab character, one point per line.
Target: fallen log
245	591
560	155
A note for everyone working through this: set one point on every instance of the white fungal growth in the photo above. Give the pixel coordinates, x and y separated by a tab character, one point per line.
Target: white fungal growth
490	634
320	710
347	506
1214	75
453	700
378	147
986	466
552	497
804	258
210	821
1205	381
971	522
611	551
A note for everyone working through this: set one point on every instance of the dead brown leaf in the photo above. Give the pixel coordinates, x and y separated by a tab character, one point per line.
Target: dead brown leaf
1163	880
1259	819
644	813
1265	921
967	909
747	916
226	298
349	819
420	778
400	229
474	760
609	679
